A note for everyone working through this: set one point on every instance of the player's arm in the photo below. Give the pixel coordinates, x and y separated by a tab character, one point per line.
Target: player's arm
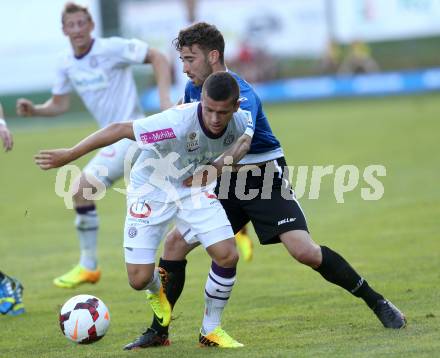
54	106
232	156
243	144
162	73
55	158
5	134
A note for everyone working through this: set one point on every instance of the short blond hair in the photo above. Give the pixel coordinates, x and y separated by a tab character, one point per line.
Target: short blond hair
71	8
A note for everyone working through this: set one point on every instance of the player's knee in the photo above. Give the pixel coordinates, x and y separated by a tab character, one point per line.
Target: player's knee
173	242
77	190
308	254
227	258
139	281
175	247
302	248
82	191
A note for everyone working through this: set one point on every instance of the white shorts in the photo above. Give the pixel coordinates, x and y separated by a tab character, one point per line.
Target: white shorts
147	222
139	256
113	162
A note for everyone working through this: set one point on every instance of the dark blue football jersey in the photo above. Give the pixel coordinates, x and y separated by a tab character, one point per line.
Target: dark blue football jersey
265	146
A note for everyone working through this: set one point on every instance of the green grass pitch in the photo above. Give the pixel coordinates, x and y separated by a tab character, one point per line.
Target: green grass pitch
279	308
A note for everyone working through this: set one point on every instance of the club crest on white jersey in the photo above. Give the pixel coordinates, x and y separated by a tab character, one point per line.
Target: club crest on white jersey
192	141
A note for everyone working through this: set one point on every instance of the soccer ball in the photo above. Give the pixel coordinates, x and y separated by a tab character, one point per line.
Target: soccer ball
84	319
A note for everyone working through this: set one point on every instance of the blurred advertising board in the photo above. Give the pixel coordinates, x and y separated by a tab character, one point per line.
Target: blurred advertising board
31	40
321	87
282	28
381	20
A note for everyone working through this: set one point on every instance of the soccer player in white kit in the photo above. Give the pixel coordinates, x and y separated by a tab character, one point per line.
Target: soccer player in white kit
5	134
175	143
99	71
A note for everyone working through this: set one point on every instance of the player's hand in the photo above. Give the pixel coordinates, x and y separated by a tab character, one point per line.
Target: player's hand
25	108
188	182
199	179
55	158
6	137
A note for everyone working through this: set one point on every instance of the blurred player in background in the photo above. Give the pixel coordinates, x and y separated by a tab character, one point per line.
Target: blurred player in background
358	60
11	290
5	134
276	219
216	129
99	70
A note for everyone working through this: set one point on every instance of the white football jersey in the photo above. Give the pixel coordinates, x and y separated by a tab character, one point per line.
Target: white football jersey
173	144
103	78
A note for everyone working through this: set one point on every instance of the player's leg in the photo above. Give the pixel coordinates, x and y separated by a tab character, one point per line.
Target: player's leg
281	218
143	276
99	174
86	225
173	268
236	216
335	269
142	236
173	260
218	289
203	219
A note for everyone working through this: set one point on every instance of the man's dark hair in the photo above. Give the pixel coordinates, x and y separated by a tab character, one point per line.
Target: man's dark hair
221	86
207	36
72	8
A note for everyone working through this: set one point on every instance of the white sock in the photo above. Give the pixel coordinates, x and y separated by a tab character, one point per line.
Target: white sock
217	292
86	224
154	285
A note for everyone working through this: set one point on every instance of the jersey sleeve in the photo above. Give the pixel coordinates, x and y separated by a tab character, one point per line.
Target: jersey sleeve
159	129
249	102
62	84
126	51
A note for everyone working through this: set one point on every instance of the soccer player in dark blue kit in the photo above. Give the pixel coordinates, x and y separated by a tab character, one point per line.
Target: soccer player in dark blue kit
275	219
